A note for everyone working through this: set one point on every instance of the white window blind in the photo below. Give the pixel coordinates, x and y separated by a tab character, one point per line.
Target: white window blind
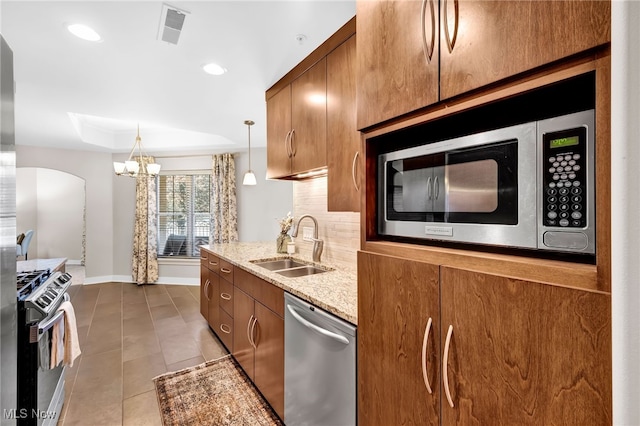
183	214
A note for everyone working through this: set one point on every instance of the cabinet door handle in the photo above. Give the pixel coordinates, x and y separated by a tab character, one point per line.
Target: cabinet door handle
291	143
436	188
248	332
225	296
287	140
445	376
353	170
428	48
206	289
451	42
429	189
227	331
425	341
225	270
253	333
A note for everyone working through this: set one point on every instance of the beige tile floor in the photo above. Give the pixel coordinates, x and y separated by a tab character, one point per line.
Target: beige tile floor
128	335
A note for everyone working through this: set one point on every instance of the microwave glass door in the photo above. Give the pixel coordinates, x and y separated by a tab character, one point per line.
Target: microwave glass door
469	185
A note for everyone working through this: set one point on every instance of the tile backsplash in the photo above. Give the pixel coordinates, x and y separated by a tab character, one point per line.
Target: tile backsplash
339	230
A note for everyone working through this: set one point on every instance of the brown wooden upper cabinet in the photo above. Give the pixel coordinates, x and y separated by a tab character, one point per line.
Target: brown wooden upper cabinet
344	160
413	54
297	125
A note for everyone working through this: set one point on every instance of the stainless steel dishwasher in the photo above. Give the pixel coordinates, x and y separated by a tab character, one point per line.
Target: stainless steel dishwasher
319	366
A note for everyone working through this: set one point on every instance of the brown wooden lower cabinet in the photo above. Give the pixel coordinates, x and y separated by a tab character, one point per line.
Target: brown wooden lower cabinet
259	346
269	356
396	298
244	313
498	351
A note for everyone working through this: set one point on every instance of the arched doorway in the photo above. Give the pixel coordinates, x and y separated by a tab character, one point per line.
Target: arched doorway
52	203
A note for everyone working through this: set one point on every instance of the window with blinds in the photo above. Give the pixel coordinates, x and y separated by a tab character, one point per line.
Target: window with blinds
183	214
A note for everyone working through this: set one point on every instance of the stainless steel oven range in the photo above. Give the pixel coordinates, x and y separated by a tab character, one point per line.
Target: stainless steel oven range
40	387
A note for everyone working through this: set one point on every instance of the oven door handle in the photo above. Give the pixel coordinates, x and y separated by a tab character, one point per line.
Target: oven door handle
38	330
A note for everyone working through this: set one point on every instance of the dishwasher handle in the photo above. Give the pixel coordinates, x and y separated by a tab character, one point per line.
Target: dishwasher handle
317	328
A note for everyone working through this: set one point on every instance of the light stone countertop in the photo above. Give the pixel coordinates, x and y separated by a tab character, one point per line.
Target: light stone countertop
56	264
335	291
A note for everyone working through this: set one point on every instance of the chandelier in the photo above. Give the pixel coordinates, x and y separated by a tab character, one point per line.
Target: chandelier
140	165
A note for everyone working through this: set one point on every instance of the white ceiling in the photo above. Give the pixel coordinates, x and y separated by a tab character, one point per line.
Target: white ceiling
75	94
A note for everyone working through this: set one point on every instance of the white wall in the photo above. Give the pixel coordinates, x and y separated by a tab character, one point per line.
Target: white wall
625	204
111	201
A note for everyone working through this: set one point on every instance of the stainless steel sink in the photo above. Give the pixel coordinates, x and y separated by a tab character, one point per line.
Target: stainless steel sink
290	268
301	271
275	265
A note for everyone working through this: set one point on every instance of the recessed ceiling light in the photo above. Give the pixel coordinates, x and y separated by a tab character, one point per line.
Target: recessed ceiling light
214	69
84	32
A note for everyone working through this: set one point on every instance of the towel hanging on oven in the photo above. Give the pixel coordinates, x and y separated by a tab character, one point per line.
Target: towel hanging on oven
71	343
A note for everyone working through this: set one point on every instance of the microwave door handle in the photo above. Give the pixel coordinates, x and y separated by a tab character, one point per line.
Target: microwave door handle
429	188
436	188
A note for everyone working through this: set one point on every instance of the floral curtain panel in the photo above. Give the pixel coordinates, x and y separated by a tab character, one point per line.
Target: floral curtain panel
224	216
145	236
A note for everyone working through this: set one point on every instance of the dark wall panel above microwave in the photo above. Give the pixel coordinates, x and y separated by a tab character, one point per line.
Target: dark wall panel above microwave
561	98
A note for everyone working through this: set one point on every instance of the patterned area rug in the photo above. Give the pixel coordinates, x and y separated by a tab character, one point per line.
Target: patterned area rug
217	392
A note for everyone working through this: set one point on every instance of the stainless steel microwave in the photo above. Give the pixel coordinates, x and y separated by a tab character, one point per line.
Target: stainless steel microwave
529	185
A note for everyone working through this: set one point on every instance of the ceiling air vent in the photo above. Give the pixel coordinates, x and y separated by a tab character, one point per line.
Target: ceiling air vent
171	22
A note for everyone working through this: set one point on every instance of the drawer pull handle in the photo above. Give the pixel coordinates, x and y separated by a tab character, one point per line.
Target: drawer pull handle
227	331
203	258
213	263
225	296
425	342
445	377
225	270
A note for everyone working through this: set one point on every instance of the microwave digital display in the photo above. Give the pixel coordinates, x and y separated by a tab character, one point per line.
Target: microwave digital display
564	142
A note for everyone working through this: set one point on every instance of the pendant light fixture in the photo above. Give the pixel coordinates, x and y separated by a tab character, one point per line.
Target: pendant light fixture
249	177
139	165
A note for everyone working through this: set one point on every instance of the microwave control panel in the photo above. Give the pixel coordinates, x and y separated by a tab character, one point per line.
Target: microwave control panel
564	178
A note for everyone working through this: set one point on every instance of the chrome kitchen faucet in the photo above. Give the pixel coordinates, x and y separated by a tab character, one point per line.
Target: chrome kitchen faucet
317	243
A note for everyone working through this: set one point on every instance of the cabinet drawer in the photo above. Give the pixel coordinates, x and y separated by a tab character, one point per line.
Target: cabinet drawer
226	296
225	330
213	263
204	258
226	270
